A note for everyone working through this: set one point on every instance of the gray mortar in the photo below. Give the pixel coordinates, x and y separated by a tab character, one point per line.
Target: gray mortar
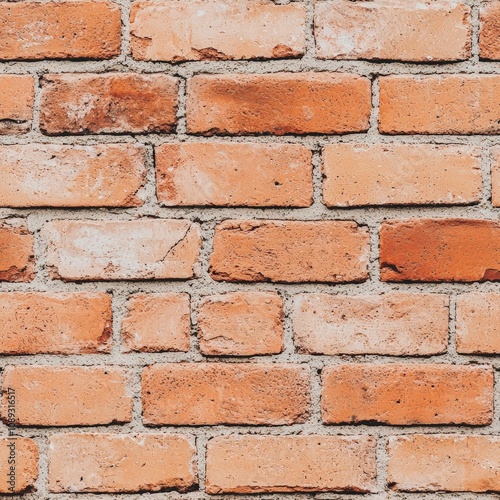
204	285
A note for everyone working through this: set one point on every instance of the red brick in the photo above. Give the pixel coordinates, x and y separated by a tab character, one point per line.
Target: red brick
444	463
290	251
241	324
440	104
38	175
122	250
407	394
17	260
489	35
157	322
65	30
269	464
234	174
495	176
279	103
400	174
55	323
396	324
112	103
24	453
462	250
17	93
67	395
222	29
218	393
117	463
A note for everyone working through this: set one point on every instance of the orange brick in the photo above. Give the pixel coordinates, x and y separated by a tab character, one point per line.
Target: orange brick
396	324
67	395
269	464
86	103
495	176
55	323
37	175
241	324
489	35
122	250
17	260
18	465
444	463
290	251
440	104
218	393
53	30
397	30
400	174
17	93
232	175
157	322
279	103
114	463
222	29
440	250
477	328
407	394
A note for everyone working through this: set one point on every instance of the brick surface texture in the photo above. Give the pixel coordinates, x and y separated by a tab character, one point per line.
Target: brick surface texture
250	249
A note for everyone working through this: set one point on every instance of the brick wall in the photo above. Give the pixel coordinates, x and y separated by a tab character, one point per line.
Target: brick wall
250	247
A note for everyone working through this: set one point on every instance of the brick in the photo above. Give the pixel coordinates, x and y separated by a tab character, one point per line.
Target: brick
398	394
43	175
55	323
67	395
444	463
495	176
114	463
477	328
279	103
218	393
394	324
400	174
17	93
21	454
241	324
234	175
489	34
440	104
462	250
211	30
157	322
112	103
53	30
290	251
122	250
268	464
393	30
17	260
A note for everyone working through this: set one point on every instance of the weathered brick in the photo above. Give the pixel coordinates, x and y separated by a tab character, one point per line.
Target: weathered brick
231	174
222	29
440	104
122	250
495	176
489	35
262	464
444	463
120	463
113	103
400	174
278	103
218	393
407	394
17	260
59	30
55	323
67	395
157	322
43	175
17	93
396	324
440	250
241	324
24	453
